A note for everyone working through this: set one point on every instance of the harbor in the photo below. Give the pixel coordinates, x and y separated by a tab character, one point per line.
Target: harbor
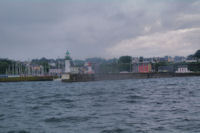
126	67
99	66
25	72
138	70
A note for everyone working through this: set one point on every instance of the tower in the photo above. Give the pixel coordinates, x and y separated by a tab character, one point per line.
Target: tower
67	62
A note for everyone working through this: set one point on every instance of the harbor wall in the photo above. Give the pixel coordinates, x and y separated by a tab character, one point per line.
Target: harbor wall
21	79
121	76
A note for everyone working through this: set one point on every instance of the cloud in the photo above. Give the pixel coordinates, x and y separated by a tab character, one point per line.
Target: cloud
33	29
176	42
190	19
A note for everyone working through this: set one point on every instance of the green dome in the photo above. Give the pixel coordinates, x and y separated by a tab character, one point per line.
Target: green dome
67	53
67	56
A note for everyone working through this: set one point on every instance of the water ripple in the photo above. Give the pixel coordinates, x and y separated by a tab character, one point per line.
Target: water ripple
123	106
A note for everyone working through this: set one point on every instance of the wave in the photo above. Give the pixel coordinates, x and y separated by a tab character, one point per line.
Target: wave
68	119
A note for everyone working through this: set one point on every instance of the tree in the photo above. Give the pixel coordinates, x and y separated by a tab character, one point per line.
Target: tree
194	66
108	68
4	64
125	63
43	62
95	60
190	57
79	63
157	65
125	59
141	59
197	54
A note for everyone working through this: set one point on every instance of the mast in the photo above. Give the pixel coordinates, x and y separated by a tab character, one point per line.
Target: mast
13	72
6	71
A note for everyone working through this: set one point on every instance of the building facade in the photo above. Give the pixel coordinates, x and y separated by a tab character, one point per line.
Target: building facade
183	69
55	72
142	68
169	68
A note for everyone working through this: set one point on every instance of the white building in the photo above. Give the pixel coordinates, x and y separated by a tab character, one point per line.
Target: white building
52	64
75	70
190	61
135	60
183	69
89	70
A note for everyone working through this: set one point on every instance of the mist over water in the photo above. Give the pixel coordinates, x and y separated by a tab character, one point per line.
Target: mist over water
123	106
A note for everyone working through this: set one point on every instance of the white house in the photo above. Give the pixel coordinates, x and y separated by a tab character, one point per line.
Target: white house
183	69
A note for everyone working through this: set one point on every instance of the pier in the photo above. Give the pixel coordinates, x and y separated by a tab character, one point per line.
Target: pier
23	79
123	76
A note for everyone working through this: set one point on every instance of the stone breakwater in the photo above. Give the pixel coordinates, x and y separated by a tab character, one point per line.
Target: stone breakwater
121	76
22	79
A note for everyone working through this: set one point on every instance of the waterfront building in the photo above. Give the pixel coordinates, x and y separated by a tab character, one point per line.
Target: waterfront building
74	70
52	64
149	60
88	69
183	69
55	72
190	61
37	70
178	59
169	68
156	59
144	67
135	60
166	59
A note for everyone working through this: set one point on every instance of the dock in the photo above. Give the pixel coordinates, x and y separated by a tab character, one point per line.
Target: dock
122	76
25	79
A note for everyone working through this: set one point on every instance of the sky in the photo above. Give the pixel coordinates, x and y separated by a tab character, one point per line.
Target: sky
98	28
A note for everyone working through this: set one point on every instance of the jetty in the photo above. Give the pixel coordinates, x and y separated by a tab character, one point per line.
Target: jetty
23	79
121	76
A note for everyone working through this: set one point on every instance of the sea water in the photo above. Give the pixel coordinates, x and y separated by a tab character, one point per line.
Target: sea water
165	105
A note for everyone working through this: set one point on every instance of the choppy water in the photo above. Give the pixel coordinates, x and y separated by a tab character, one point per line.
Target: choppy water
170	105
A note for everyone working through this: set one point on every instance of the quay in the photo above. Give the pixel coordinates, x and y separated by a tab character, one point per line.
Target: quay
121	76
23	79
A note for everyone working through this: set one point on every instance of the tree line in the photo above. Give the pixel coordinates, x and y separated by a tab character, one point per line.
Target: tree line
124	63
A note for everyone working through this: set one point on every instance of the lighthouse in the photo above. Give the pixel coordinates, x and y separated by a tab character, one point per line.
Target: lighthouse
67	62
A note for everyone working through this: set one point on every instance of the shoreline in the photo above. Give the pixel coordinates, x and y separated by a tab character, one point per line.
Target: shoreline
27	79
123	76
99	77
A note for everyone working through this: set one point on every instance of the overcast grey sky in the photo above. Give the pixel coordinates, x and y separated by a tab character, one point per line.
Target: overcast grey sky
98	28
